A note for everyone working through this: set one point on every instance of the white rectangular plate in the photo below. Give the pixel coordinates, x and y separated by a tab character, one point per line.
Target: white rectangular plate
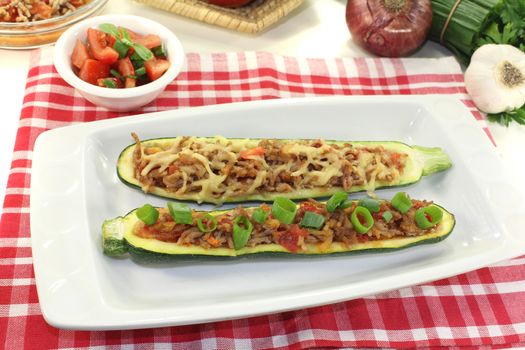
75	187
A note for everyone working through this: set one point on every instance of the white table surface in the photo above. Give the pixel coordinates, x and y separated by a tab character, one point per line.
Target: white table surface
316	29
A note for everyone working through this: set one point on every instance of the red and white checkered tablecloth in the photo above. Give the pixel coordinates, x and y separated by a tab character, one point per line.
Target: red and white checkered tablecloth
482	308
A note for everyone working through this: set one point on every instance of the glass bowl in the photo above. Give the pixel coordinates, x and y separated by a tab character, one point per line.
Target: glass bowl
26	35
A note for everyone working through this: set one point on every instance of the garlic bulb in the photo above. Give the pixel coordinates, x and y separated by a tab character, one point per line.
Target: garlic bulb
495	78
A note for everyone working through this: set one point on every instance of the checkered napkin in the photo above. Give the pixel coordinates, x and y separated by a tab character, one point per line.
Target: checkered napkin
485	307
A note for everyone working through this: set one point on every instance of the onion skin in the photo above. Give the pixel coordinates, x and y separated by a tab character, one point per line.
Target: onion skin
389	32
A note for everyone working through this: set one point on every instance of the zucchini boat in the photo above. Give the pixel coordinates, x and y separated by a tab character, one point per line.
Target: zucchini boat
310	228
219	170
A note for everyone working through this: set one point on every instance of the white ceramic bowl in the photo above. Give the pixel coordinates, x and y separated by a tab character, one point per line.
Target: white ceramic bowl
118	99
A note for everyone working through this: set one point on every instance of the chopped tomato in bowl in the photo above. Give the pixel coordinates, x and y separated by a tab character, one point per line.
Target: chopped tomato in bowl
117	57
121	67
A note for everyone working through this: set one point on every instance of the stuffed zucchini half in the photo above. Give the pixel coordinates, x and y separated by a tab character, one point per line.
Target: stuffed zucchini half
219	170
282	228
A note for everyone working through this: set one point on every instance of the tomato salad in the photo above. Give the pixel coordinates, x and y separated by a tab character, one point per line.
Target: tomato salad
117	57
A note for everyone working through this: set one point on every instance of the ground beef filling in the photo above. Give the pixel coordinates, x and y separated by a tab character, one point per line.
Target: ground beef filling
273	166
336	229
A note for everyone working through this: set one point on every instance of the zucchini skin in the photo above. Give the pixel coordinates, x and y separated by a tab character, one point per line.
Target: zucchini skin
423	161
118	240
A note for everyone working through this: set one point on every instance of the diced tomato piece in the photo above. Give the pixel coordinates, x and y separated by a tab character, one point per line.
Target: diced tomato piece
304	207
418	204
111	40
116	81
253	152
290	238
80	54
156	67
149	41
98	46
362	219
42	9
92	70
396	159
308	206
362	238
125	68
77	3
130	83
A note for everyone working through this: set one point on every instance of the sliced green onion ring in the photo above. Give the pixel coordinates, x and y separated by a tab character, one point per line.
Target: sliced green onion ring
207	223
346	204
109	83
284	210
312	220
336	200
259	215
362	213
148	214
135	57
387	216
242	228
428	217
115	73
181	213
370	204
140	71
401	202
159	51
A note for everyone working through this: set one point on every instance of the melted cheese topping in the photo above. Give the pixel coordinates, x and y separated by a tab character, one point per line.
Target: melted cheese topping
213	168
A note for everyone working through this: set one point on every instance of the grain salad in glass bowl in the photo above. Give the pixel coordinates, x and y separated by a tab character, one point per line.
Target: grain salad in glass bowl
32	23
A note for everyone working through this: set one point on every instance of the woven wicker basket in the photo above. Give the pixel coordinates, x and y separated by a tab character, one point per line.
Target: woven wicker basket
252	18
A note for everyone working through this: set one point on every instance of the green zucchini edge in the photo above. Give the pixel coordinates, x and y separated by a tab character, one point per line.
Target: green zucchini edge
423	161
118	239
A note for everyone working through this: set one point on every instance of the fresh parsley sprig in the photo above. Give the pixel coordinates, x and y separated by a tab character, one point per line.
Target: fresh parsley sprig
505	118
507	25
123	42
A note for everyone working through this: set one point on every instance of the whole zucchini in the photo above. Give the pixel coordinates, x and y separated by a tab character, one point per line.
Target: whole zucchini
336	233
219	170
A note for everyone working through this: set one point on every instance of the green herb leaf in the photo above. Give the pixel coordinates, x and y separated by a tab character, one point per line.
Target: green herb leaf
143	52
513	12
505	118
121	48
109	28
125	37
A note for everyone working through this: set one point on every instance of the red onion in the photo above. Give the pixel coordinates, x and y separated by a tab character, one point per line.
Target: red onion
229	3
389	28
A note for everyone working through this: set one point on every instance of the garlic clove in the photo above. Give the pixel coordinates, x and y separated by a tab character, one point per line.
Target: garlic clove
495	78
